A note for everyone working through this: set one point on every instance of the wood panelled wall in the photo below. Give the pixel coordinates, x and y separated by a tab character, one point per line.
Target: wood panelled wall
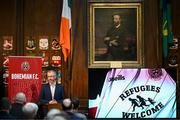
152	46
42	18
79	74
7	27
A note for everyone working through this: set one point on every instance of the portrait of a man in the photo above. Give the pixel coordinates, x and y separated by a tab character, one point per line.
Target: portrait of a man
115	35
116	38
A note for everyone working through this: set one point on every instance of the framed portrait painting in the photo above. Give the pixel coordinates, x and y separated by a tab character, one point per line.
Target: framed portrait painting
115	35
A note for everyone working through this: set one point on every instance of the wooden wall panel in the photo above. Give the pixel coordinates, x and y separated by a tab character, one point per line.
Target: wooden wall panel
79	73
176	17
7	27
42	17
8	18
152	45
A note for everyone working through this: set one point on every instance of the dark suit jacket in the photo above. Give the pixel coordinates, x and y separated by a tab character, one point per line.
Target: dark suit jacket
16	110
45	95
4	115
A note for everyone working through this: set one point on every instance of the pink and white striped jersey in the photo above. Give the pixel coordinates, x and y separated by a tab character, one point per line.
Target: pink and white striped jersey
137	93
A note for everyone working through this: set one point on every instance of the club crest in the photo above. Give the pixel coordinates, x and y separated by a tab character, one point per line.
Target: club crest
155	73
25	66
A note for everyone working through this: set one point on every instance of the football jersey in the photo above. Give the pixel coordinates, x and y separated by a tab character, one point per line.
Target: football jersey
137	93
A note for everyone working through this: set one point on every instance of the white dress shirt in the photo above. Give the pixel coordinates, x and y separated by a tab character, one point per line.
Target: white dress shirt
52	87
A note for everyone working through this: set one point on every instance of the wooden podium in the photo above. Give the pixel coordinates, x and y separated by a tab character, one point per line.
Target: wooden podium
53	106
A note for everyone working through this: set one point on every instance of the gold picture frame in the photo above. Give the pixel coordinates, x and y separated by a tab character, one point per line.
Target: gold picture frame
127	50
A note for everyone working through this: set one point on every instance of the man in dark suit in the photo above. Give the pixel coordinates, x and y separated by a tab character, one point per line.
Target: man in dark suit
51	92
5	106
16	110
116	40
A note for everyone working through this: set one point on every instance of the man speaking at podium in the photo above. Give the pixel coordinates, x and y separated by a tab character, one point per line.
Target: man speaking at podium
51	93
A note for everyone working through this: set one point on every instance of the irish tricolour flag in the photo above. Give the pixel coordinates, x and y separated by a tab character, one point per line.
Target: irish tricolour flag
65	27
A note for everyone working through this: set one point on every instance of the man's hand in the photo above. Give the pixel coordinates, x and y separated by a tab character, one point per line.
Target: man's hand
114	42
106	40
53	102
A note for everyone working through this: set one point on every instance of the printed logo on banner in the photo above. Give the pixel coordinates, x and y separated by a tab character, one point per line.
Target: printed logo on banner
25	66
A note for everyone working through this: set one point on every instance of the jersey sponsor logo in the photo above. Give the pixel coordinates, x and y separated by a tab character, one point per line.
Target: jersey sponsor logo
118	77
